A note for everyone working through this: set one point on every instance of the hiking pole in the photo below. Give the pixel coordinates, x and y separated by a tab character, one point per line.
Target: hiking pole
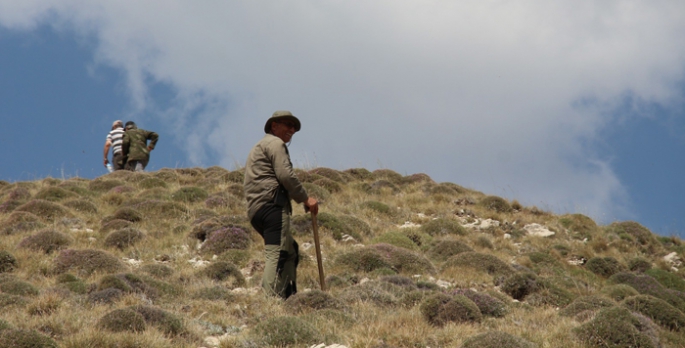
315	227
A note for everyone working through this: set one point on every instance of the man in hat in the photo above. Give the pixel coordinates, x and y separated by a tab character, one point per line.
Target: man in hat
114	139
136	147
270	184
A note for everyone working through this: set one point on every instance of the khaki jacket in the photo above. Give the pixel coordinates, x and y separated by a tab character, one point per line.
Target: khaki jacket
268	165
135	144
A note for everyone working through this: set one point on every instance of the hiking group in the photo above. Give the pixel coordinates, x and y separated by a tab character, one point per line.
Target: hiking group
270	183
130	147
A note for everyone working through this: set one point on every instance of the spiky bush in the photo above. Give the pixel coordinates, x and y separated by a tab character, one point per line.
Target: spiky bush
189	194
359	173
46	210
519	285
494	203
377	207
370	292
215	293
152	182
443	226
443	249
81	205
54	194
396	238
302	224
604	266
19	194
116	224
639	264
586	303
549	294
615	327
312	300
7	262
328	173
224	239
9	206
483	262
7	300
168	323
157	270
404	260
19	338
316	191
124	238
103	185
658	310
161	209
223	270
635	233
72	283
18	287
86	261
497	339
128	214
46	241
440	309
488	305
21	221
120	320
106	296
647	285
355	225
329	185
286	331
379	186
580	225
667	279
618	292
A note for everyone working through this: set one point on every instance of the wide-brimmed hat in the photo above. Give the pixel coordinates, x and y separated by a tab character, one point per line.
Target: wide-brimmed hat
281	115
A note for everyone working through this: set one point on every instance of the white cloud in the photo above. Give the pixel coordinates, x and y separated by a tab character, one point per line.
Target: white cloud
481	93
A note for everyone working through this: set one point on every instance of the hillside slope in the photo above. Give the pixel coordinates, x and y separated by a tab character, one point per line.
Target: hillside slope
168	259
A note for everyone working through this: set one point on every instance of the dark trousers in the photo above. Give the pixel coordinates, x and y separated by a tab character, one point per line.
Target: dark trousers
118	161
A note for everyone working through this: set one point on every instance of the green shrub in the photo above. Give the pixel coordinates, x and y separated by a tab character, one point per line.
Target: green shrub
542	258
7	262
549	295
116	224
404	260
495	203
443	249
483	262
120	320
86	261
18	338
615	327
364	260
586	303
647	285
286	332
81	205
604	266
46	210
161	210
417	178
124	238
106	296
440	309
152	182
19	194
236	176
312	300
519	285
355	225
442	226
215	293
46	241
168	323
618	292
115	282
223	270
658	310
128	214
396	238
667	279
579	225
370	292
488	305
639	264
637	234
379	186
9	206
358	173
387	174
338	227
157	270
328	173
377	207
189	194
316	191
7	300
329	185
484	242
226	238
72	283
54	194
21	221
103	185
497	339
19	288
4	325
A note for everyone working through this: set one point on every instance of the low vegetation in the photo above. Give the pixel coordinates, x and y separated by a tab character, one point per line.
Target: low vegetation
168	259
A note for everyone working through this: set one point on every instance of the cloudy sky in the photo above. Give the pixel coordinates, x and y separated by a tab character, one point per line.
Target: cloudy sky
571	106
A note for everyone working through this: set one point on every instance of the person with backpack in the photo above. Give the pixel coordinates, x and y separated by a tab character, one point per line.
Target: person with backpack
270	184
136	147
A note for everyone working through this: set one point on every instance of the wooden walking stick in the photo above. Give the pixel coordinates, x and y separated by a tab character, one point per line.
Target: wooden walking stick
315	227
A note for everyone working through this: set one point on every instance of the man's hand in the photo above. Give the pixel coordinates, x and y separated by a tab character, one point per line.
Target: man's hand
106	161
311	204
149	148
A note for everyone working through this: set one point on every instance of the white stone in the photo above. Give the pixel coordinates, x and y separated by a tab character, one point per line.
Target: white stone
307	246
409	224
212	341
537	230
507	236
348	239
443	284
198	263
488	223
132	262
364	280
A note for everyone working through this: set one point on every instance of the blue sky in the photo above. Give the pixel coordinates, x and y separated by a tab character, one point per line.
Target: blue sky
571	107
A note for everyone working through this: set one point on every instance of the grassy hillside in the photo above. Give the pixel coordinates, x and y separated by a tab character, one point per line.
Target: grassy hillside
168	259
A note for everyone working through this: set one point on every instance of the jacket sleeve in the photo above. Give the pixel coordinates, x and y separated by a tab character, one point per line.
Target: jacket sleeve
284	172
125	144
153	137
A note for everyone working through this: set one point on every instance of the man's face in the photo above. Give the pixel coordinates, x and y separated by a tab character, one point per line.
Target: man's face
283	130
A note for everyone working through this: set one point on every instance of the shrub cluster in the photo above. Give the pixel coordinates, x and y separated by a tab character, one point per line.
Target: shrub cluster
121	320
312	300
46	210
286	331
658	310
497	339
226	238
440	309
482	262
19	338
46	241
604	266
86	261
488	305
616	327
7	261
443	226
123	238
222	271
494	203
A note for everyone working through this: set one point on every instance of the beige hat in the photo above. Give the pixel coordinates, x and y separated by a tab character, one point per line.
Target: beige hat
281	115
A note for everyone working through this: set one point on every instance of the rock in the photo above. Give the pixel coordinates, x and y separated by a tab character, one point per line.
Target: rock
348	239
537	230
212	341
409	224
673	259
443	284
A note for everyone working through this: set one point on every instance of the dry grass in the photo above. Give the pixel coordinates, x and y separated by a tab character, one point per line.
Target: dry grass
65	263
